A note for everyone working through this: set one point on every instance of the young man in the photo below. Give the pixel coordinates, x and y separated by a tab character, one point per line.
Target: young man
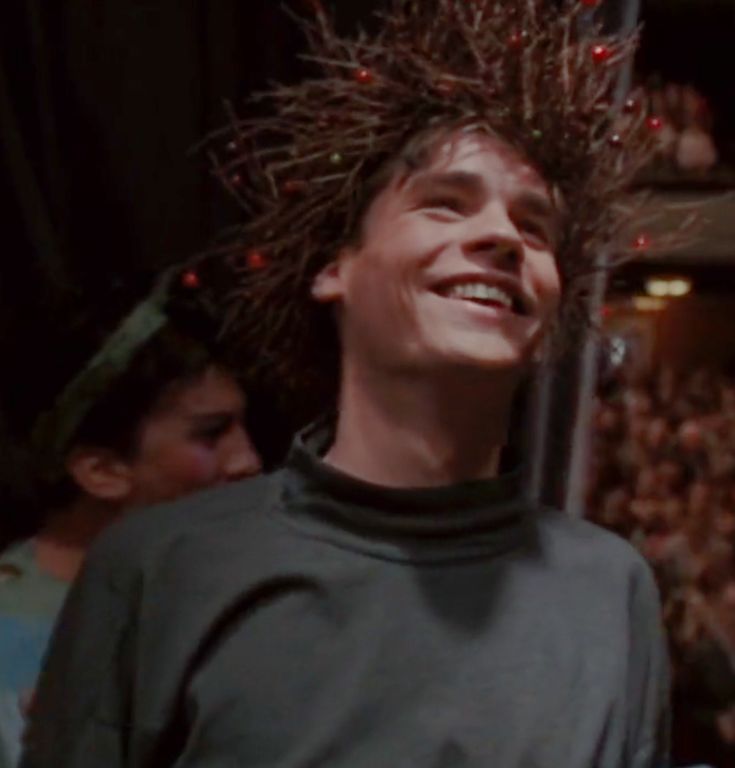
390	597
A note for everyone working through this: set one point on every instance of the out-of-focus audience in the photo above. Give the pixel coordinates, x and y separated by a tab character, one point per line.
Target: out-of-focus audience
663	476
685	141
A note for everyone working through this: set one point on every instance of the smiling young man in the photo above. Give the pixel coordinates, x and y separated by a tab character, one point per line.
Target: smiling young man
441	307
390	597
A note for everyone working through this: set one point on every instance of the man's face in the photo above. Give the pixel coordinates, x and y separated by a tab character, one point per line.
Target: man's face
193	440
455	267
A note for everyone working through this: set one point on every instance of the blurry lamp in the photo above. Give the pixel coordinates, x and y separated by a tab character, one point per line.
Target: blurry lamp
680	287
657	287
661	287
648	303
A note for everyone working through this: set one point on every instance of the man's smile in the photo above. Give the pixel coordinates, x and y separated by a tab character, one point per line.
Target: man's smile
501	292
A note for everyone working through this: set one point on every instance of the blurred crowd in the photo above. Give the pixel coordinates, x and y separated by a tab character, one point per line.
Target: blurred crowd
685	141
663	476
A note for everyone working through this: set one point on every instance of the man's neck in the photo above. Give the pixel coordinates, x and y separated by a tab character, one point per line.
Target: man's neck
407	432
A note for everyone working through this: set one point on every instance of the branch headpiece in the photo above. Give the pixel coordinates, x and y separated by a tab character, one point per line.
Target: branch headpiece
301	161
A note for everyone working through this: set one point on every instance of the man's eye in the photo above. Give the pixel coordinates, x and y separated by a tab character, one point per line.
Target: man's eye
208	435
211	433
536	231
444	203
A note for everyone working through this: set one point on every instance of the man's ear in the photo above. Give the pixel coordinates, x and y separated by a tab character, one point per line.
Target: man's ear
328	285
100	472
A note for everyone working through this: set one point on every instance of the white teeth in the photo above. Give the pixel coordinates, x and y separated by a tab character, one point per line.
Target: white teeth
480	291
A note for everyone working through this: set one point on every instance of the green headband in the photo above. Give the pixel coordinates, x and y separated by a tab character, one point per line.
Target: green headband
54	428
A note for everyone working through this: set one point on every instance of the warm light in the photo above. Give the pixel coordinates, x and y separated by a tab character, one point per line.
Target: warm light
648	304
657	287
680	287
660	287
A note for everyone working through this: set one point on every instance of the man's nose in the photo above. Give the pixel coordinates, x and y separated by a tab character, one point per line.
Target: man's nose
495	239
241	459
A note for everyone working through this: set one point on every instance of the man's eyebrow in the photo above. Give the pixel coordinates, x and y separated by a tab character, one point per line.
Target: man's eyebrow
538	204
215	416
462	181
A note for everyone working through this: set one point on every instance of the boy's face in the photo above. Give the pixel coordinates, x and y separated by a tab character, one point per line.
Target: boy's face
455	267
195	438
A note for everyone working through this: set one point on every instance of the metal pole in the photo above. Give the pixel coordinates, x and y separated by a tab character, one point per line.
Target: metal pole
582	432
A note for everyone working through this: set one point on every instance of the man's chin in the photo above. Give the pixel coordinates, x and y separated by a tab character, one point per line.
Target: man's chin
499	358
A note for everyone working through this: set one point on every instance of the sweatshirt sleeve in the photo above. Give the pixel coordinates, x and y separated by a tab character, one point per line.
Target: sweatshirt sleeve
649	722
81	708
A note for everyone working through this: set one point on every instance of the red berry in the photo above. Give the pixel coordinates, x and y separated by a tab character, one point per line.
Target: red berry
516	40
601	53
630	106
364	76
293	186
655	123
590	3
642	242
255	259
190	279
615	141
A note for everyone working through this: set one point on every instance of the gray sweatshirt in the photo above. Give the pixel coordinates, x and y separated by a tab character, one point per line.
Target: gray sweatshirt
308	619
